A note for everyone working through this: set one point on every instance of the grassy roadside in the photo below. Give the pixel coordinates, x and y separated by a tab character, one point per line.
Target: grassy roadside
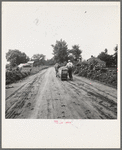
16	75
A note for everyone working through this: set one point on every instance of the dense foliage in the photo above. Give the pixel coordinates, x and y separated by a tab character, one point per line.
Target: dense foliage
38	56
50	61
39	59
92	71
15	75
76	51
16	57
107	58
115	55
60	51
111	60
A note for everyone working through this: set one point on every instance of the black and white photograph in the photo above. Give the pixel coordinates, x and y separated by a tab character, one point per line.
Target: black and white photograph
61	62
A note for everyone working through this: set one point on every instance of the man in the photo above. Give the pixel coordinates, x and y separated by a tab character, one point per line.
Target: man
70	68
57	66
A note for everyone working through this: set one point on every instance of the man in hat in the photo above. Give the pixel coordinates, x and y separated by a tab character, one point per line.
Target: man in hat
70	68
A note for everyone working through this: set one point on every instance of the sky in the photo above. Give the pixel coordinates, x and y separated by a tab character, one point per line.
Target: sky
32	27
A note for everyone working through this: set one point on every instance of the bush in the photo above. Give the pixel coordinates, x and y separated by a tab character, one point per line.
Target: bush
95	72
103	69
15	75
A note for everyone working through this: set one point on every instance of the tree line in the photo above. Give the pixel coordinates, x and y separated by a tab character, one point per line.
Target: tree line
61	53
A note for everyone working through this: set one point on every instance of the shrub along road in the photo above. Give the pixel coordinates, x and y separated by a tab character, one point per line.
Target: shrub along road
43	96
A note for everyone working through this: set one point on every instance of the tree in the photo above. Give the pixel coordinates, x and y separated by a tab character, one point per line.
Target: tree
38	56
107	58
38	59
76	51
115	55
106	51
60	51
50	62
15	57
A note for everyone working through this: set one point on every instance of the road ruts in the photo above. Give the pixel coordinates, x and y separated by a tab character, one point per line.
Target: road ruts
45	96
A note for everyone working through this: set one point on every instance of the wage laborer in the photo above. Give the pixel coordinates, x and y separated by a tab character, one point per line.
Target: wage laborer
70	68
57	66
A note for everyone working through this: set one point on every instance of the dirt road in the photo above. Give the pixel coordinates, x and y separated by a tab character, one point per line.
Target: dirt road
43	96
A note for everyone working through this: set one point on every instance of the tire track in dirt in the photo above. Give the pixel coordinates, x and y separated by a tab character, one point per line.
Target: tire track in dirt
40	110
65	111
51	101
83	108
96	100
97	87
103	100
46	97
70	109
94	92
22	99
28	80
